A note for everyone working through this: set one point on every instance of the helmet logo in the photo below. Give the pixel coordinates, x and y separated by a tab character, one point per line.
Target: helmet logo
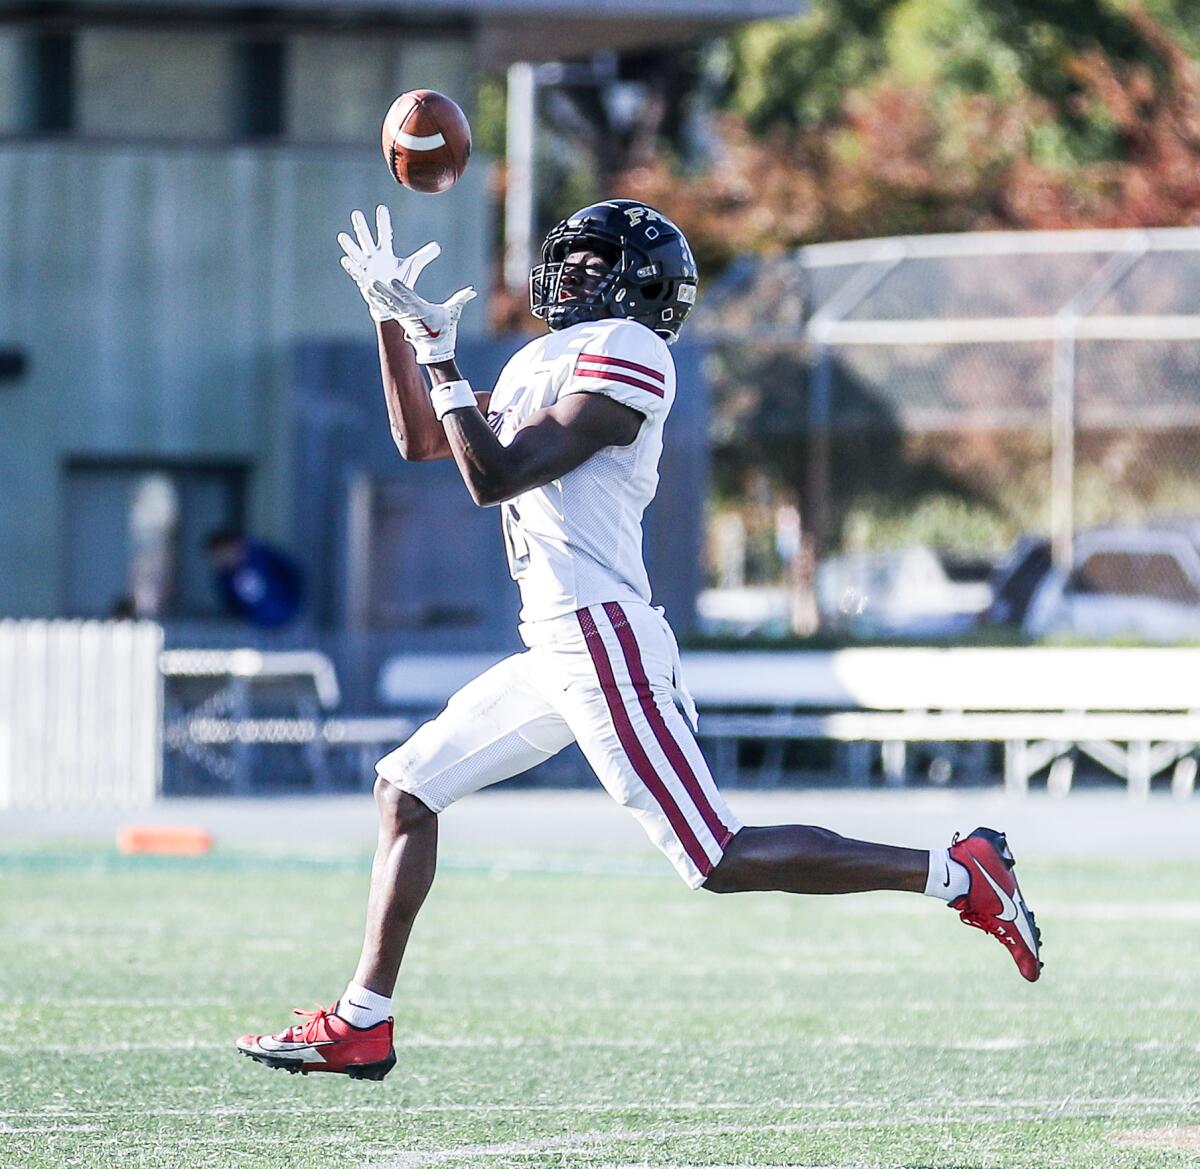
686	293
635	215
646	271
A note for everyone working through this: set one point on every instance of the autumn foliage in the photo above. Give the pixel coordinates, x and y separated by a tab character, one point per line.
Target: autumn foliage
902	158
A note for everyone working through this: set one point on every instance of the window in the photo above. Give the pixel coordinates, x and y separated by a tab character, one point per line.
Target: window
340	87
1134	574
142	84
10	82
135	532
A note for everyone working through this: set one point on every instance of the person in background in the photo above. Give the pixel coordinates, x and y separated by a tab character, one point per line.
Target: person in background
258	584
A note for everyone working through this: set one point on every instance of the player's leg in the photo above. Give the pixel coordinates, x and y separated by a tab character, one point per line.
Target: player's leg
401	875
643	751
646	755
616	694
974	876
495	727
799	858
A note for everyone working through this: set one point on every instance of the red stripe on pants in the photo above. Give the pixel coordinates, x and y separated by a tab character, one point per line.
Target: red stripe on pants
667	741
633	747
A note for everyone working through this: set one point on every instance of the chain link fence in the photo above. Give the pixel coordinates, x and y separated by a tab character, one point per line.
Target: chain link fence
945	413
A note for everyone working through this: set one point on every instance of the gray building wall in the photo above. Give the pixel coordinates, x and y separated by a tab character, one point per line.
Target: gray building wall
169	241
157	291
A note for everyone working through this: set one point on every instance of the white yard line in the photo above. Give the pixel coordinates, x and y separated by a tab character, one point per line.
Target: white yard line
602	1140
48	1129
91	1001
517	1043
1186	911
1017	1109
102	1048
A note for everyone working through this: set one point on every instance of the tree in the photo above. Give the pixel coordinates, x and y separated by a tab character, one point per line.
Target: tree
943	115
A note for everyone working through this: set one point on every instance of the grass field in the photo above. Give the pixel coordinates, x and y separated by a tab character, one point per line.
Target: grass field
551	1016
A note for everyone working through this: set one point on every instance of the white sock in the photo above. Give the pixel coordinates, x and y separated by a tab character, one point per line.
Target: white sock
947	878
363	1008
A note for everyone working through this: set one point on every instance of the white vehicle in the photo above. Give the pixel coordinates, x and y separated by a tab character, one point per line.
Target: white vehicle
901	593
1133	583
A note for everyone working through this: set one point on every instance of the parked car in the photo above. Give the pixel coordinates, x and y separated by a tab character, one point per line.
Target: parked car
907	592
1139	583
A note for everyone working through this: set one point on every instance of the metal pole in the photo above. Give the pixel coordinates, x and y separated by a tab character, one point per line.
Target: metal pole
1062	452
519	200
819	419
815	512
1062	402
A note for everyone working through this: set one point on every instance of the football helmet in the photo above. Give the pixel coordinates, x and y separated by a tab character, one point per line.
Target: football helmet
653	277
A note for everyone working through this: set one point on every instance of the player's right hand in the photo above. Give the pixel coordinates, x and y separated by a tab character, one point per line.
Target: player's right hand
431	328
367	260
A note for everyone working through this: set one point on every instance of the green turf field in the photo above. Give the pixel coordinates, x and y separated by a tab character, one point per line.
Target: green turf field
554	1018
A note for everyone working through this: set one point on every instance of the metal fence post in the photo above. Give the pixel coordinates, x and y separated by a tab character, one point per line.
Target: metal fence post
1062	403
816	519
820	407
1062	448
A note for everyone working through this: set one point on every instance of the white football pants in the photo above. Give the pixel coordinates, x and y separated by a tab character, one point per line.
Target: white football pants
606	678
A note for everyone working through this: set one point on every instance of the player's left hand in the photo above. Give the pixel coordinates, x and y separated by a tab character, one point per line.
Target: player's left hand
367	260
431	329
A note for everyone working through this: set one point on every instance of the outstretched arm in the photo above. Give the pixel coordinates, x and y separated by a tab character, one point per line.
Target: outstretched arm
415	429
369	259
551	443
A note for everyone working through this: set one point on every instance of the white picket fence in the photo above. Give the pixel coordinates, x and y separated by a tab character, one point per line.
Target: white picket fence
80	714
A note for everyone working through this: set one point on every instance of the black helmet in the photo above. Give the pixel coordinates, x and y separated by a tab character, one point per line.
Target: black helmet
653	276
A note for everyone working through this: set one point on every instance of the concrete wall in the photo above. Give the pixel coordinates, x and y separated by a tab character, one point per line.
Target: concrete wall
159	292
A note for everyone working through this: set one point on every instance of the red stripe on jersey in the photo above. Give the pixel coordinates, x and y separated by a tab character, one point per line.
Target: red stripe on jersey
645	370
654	716
611	376
632	744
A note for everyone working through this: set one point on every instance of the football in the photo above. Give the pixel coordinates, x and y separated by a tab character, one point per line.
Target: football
426	141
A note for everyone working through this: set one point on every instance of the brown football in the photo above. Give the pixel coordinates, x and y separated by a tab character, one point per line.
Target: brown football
426	141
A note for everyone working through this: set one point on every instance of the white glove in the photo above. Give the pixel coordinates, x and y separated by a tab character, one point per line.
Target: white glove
367	261
431	329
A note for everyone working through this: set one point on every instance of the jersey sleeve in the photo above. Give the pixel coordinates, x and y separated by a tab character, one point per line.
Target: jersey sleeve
627	362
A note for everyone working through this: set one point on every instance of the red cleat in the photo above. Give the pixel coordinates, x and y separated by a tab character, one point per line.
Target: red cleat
993	902
323	1042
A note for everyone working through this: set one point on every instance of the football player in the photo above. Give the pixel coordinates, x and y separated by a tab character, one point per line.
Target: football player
567	445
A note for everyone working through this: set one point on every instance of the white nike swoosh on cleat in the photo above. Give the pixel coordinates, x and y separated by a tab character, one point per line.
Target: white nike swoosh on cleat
300	1052
289	1046
1008	906
1019	917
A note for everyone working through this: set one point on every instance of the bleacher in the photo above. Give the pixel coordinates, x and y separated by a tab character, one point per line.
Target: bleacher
82	702
1134	712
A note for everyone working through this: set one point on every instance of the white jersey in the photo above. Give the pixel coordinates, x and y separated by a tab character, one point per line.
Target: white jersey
578	541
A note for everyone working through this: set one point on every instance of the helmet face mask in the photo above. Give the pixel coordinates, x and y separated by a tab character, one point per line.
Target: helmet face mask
652	279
